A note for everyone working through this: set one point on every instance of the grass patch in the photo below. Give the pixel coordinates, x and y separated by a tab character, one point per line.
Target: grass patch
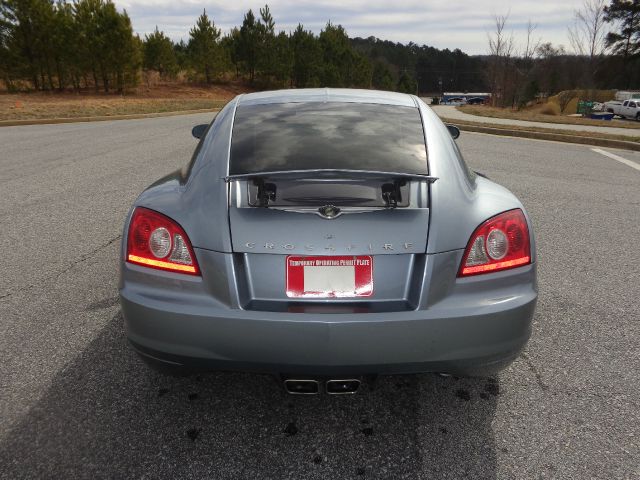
549	109
102	108
568	133
545	113
155	99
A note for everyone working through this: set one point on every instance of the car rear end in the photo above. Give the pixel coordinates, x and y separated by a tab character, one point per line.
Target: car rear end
316	248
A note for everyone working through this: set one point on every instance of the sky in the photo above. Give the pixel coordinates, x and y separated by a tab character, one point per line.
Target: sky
438	23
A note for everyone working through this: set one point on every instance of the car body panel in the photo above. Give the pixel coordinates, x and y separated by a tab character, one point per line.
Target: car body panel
269	231
458	324
421	317
460	200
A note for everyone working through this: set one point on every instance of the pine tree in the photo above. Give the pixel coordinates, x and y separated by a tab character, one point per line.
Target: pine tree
406	84
27	26
625	15
124	50
266	55
65	52
204	48
283	58
342	65
382	78
248	44
307	58
159	54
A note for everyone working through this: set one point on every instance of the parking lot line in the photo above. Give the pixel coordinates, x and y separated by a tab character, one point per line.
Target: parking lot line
617	158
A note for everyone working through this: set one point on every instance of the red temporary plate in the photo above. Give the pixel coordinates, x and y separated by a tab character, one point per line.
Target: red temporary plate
319	277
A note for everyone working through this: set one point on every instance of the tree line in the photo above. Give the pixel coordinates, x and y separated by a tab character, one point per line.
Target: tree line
89	43
67	44
605	39
47	45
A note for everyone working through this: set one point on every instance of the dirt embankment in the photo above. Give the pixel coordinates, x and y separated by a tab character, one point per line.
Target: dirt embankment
145	99
545	113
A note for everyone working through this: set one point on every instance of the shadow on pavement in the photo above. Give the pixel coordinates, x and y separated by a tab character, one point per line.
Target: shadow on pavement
108	415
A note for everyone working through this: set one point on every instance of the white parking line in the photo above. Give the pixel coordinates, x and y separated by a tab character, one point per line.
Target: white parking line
618	158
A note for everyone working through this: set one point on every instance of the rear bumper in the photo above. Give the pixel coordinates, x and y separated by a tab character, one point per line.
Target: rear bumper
479	327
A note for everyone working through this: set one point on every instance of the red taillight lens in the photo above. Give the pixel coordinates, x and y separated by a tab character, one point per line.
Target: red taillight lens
157	241
500	243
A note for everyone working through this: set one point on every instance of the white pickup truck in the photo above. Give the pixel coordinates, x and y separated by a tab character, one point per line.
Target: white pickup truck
626	109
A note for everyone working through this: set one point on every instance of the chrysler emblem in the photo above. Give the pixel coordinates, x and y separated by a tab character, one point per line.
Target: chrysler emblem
329	211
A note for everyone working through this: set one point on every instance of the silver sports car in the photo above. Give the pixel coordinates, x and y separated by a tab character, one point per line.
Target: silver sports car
325	235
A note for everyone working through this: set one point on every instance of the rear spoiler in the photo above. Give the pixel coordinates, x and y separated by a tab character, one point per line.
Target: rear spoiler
331	173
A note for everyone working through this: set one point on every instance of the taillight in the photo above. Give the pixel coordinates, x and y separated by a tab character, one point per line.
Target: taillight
156	241
500	243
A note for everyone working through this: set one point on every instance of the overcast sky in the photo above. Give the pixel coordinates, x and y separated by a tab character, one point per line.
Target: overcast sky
439	23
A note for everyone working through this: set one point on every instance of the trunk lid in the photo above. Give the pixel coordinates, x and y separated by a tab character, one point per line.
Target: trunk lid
393	238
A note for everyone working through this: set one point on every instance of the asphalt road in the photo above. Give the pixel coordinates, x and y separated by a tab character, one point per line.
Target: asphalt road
75	402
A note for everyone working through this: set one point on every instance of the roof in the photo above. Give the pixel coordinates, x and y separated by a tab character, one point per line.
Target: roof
345	95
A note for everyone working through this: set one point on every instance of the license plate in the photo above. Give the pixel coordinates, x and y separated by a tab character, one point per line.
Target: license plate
327	277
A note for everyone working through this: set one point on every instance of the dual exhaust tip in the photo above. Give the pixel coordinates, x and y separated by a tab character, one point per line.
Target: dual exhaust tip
312	387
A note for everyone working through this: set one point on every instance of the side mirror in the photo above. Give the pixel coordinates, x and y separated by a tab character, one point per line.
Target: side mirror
198	130
454	131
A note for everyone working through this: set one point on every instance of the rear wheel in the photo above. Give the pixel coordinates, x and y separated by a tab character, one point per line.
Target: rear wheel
638	117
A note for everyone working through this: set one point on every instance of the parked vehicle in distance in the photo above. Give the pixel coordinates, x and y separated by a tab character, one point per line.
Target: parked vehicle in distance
325	235
627	109
476	101
598	107
621	95
611	106
455	101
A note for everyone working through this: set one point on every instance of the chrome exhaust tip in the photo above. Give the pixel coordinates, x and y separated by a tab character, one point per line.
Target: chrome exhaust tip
346	386
301	387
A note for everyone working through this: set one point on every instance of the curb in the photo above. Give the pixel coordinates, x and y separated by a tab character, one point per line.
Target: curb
557	137
133	116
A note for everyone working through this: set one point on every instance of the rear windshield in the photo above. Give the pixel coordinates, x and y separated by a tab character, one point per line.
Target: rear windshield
304	136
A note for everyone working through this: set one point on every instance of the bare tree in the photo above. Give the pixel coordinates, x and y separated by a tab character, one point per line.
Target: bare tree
564	98
531	46
549	66
527	87
501	46
587	33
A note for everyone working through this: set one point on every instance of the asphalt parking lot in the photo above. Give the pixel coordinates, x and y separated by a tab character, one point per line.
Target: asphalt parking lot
75	402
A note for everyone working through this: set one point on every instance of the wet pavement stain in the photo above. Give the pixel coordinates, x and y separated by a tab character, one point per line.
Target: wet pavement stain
193	396
492	387
162	391
463	394
367	431
193	433
291	429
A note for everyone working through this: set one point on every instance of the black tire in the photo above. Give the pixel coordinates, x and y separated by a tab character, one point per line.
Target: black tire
637	117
